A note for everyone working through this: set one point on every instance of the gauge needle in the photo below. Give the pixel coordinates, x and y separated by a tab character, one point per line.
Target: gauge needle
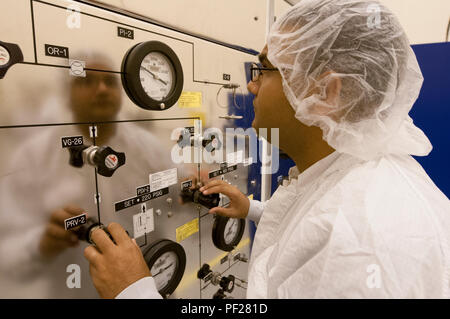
163	270
154	75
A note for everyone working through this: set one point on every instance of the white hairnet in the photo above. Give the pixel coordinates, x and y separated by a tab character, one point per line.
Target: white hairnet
362	47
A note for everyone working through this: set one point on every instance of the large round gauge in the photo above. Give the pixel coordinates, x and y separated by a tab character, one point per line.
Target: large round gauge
4	56
152	75
227	232
167	261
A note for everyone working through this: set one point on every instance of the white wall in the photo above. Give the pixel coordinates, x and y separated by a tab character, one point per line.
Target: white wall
425	21
242	22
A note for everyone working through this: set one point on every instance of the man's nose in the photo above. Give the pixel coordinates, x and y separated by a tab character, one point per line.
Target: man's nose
102	87
252	87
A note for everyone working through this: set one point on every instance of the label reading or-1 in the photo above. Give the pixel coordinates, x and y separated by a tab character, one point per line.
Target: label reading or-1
224	260
223	171
186	185
73	222
143	190
187	230
56	51
125	33
70	141
163	179
133	201
226	77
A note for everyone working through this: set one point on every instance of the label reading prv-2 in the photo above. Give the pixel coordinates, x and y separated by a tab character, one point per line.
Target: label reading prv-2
75	221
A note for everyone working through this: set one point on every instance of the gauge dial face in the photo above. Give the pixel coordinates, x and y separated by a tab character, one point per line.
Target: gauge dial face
231	230
4	56
164	268
157	76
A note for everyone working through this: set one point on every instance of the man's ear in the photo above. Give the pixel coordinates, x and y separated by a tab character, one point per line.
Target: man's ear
333	87
330	100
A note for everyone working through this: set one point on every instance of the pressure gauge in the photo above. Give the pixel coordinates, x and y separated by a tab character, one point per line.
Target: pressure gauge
10	54
227	232
4	56
167	261
152	75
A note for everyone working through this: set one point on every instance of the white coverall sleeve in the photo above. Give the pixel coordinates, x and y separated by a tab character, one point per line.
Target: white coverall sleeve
255	210
144	288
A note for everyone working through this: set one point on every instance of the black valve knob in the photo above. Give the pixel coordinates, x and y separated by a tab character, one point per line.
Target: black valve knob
211	144
104	158
194	195
227	283
85	231
185	139
219	294
204	271
76	155
107	160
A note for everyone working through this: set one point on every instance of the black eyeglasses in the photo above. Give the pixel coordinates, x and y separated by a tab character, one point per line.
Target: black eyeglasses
256	71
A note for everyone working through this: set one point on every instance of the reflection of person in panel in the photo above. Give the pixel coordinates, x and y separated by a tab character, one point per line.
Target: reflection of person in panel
40	189
96	97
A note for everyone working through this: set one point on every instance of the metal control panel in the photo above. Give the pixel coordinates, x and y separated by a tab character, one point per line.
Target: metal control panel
89	124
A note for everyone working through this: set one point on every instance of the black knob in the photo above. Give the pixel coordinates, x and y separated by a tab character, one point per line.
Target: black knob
227	283
76	155
107	160
212	144
219	294
209	201
184	139
204	271
85	231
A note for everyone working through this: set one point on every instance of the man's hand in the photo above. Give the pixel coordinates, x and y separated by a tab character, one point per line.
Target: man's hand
114	266
55	238
239	203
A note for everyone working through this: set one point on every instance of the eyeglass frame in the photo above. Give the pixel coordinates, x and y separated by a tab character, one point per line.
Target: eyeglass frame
254	67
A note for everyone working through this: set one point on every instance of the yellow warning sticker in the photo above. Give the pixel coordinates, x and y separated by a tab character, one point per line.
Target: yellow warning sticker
250	196
190	99
187	230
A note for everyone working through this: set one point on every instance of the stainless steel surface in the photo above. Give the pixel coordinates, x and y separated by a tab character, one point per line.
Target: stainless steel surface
41	102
